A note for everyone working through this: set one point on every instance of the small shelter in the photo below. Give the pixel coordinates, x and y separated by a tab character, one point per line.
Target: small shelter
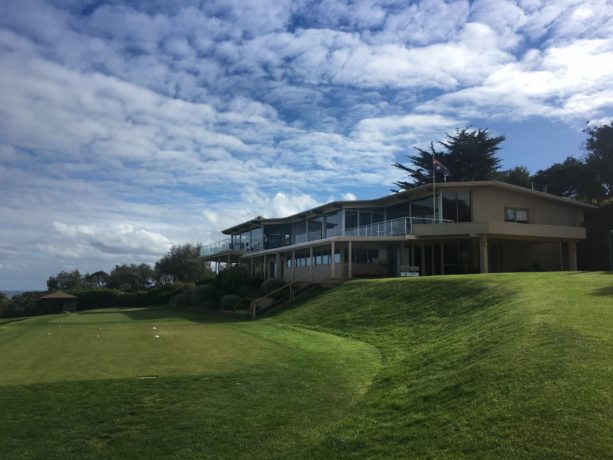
64	302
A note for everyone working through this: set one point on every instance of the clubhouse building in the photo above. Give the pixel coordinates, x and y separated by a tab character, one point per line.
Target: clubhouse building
460	227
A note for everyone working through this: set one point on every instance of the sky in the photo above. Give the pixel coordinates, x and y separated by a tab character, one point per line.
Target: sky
129	127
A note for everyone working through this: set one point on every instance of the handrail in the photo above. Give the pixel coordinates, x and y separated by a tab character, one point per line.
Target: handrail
253	304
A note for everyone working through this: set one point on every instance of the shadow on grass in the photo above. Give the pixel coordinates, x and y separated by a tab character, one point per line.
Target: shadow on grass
604	291
157	313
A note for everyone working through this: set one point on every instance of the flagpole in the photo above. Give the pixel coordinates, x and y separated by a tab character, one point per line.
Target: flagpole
433	190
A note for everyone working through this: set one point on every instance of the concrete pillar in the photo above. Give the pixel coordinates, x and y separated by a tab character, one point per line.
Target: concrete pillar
572	256
442	258
278	265
412	261
403	260
218	265
311	264
422	269
483	254
332	264
350	262
293	265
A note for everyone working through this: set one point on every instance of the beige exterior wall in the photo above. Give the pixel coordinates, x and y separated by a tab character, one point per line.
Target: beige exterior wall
489	203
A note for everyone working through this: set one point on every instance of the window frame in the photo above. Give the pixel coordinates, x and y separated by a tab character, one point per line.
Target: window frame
515	210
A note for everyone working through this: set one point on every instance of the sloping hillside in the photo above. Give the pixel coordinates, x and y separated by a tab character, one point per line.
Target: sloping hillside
512	365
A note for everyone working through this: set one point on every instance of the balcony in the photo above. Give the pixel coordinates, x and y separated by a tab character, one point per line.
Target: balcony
395	227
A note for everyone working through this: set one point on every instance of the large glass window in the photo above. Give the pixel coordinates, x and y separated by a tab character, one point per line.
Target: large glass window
398	211
365	256
333	224
464	210
421	210
277	236
315	228
456	206
378	215
365	217
257	239
351	218
245	240
299	232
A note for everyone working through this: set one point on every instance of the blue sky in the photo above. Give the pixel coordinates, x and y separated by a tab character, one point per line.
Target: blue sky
127	127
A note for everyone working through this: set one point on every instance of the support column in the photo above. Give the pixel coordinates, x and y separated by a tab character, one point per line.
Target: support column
422	269
483	256
442	258
332	264
293	265
572	256
311	264
251	270
278	265
403	261
350	262
218	262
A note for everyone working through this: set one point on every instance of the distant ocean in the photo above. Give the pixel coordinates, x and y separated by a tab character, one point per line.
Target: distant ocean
12	293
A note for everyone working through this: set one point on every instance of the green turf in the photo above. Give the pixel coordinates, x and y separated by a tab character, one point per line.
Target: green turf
495	366
509	365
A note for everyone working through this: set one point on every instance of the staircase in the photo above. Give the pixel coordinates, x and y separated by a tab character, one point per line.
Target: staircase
269	303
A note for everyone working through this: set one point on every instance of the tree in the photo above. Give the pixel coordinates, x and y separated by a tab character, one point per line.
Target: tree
4	303
97	279
64	280
181	264
571	178
599	159
130	277
470	155
519	175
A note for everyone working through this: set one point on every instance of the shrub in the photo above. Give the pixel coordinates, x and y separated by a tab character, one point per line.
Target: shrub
232	278
202	293
183	300
229	302
270	285
248	291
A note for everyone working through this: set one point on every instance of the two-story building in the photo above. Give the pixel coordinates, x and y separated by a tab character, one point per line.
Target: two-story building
460	227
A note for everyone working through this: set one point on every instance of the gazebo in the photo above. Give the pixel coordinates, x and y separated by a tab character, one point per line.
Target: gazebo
65	302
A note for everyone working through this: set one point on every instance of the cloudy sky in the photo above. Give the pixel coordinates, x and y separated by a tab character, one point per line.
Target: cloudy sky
126	127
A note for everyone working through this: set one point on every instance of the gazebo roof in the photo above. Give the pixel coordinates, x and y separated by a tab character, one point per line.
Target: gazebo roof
59	295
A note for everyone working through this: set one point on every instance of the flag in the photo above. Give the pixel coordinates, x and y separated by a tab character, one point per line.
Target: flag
440	167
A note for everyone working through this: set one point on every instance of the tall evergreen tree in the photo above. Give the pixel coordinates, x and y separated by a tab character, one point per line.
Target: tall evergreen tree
470	155
599	159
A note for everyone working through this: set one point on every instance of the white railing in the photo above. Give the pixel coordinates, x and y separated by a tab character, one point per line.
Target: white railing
227	245
395	227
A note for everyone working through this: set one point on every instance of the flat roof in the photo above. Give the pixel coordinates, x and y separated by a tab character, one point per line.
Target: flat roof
331	206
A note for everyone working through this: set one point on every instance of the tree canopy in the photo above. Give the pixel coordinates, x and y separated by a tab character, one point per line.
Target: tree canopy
181	264
468	154
599	159
64	280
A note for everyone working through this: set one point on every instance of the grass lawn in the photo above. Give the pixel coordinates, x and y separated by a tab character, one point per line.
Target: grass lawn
80	386
479	366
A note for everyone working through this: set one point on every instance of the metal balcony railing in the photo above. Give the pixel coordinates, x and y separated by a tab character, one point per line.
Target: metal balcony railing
395	227
228	245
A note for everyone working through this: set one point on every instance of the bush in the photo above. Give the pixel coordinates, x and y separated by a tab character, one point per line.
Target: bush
229	302
232	278
202	293
248	291
270	285
183	300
